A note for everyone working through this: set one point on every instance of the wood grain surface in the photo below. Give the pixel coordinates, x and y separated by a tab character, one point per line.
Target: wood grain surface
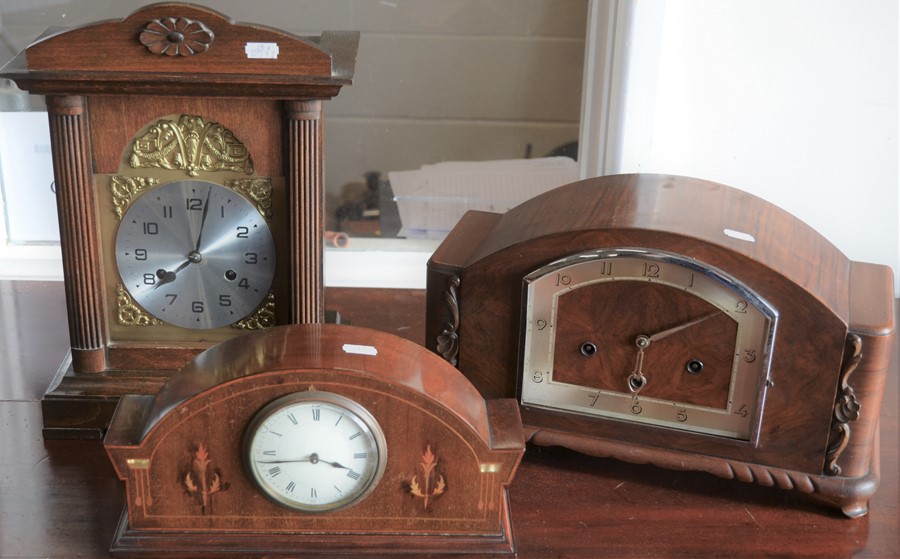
563	504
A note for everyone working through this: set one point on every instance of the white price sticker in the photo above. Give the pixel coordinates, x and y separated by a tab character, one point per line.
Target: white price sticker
261	50
360	349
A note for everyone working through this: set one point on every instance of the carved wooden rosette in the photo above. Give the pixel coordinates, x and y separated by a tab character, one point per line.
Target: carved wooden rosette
450	454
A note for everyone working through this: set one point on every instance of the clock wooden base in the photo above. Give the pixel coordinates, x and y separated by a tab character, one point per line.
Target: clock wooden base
850	494
171	543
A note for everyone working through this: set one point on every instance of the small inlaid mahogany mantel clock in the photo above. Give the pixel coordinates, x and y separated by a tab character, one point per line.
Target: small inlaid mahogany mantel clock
187	153
315	439
673	321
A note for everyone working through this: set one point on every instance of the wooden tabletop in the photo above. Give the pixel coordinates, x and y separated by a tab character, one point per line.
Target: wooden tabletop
62	499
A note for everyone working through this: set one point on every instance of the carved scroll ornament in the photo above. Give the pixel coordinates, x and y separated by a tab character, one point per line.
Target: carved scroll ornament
192	145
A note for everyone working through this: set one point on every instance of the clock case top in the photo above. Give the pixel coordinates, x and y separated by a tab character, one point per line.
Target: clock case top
108	58
450	453
824	302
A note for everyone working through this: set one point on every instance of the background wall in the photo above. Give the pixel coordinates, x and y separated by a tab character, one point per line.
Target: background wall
436	80
794	101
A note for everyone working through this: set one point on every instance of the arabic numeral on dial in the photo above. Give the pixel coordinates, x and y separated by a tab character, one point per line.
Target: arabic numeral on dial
742	411
681	416
171	297
195	204
252	258
140	254
593	398
562	279
151	228
167	212
197	307
224	300
651	270
749	355
636	409
537	377
541	324
741	306
149	279
243	232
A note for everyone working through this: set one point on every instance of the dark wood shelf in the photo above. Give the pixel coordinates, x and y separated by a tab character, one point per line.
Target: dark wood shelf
60	498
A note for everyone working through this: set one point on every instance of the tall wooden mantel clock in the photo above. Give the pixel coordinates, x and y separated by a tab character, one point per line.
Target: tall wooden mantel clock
187	154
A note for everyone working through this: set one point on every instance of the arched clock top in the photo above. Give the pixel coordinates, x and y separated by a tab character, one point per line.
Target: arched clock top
690	212
320	347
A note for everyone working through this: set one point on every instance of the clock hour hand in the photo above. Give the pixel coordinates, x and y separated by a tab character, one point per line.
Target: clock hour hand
166	276
335	464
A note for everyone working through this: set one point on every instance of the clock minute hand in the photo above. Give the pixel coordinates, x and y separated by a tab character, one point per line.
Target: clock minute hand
203	220
296	461
666	333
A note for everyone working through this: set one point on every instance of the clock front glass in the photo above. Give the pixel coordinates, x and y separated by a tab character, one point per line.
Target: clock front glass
195	254
646	336
315	451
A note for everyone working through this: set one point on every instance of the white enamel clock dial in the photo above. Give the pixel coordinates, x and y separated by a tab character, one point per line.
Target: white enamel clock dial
646	336
195	254
315	451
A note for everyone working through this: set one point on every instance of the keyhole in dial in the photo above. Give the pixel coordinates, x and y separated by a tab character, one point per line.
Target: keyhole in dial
588	349
694	366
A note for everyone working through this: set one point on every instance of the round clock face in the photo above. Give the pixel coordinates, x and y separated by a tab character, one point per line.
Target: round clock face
646	336
315	451
195	254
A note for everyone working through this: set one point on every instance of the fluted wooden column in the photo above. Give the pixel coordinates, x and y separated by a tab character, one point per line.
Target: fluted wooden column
80	232
305	184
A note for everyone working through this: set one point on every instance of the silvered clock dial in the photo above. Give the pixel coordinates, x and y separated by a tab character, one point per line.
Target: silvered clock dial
195	254
646	336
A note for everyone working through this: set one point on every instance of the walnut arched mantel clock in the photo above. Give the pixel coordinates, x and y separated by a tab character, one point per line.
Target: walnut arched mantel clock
674	321
187	153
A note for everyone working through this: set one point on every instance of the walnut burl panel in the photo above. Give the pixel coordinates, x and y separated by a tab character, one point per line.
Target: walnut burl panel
611	315
430	414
